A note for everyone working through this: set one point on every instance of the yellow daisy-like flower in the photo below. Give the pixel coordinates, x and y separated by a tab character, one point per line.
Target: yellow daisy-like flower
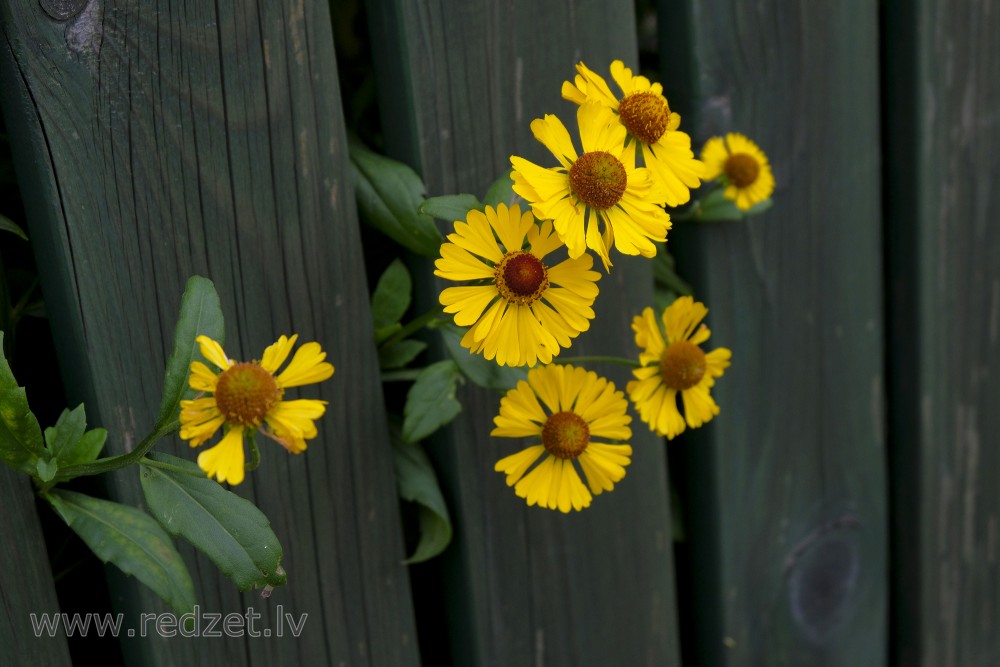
599	188
675	366
247	396
644	112
744	166
519	310
579	406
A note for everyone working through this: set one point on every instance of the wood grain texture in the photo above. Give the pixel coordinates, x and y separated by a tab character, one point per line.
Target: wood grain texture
942	60
788	515
460	84
25	580
159	140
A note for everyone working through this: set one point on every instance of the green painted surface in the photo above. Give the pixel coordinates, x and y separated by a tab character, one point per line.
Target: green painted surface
460	84
944	249
788	520
154	141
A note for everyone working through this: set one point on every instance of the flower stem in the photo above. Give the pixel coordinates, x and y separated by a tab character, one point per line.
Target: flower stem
413	326
405	374
153	463
110	463
610	360
254	455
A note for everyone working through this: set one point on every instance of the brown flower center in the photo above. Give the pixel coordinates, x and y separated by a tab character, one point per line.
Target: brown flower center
742	169
245	392
644	115
565	435
598	179
682	365
521	277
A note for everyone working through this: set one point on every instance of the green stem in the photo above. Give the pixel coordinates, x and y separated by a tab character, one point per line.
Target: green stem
110	463
413	326
254	455
406	374
610	360
153	463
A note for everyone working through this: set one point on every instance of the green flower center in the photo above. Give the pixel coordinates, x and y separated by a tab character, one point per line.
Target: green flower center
245	392
521	277
598	179
644	115
742	169
565	435
682	365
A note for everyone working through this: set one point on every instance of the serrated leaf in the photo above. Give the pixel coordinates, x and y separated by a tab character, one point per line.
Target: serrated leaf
200	314
480	370
229	529
450	207
501	191
392	295
389	195
430	403
416	482
130	539
21	442
67	430
399	353
8	225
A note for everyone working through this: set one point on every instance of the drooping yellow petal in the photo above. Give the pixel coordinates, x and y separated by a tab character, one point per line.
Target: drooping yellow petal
515	465
306	367
225	461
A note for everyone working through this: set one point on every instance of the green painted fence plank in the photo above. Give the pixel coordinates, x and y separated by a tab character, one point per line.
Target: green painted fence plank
25	580
460	83
942	168
787	520
157	140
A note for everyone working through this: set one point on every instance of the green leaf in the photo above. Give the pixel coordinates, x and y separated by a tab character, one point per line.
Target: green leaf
450	207
46	469
68	429
715	207
8	225
392	296
130	539
480	370
502	191
21	442
389	195
86	449
227	528
430	403
399	353
201	313
417	483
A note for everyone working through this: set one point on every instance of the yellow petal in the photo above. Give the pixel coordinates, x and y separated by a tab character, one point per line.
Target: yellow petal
306	367
213	352
202	378
225	461
276	353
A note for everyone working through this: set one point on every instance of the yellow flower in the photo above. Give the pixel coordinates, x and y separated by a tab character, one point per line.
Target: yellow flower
747	174
247	396
644	112
579	406
600	188
518	310
677	365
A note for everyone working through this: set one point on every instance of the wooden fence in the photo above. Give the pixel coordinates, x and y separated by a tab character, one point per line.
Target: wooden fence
842	510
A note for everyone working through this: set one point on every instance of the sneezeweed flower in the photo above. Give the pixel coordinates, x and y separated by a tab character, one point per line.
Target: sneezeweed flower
519	310
677	365
599	188
645	113
579	409
247	397
743	167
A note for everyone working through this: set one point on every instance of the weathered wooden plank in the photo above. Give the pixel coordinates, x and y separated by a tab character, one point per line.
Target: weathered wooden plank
460	84
944	329
159	140
788	508
25	580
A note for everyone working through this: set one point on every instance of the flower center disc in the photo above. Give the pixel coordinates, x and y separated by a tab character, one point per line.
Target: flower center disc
565	435
682	365
521	277
598	179
742	169
245	392
645	116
